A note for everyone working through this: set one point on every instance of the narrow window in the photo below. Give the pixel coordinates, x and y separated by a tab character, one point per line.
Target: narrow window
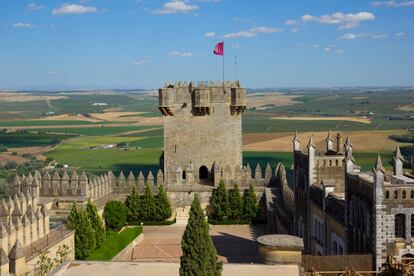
399	225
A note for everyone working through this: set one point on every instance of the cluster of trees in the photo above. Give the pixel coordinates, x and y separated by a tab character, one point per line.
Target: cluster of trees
89	229
199	254
232	206
147	207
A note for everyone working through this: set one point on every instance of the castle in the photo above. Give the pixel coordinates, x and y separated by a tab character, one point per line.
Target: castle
331	204
337	209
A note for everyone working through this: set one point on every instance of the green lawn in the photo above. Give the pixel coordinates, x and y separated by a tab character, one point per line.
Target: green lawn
114	243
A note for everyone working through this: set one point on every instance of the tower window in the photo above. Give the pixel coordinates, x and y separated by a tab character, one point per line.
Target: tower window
399	225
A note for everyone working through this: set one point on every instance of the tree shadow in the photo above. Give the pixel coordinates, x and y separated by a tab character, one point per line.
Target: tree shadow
238	249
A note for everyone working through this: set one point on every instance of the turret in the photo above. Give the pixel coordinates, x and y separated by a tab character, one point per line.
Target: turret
329	143
339	144
160	178
348	148
311	156
296	142
398	162
379	176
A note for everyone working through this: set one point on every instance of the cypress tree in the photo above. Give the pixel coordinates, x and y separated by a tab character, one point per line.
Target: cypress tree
250	206
84	244
199	254
115	215
235	204
73	217
220	202
79	221
133	207
148	205
96	222
163	206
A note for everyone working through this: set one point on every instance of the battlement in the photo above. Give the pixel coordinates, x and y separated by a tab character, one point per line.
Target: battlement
200	97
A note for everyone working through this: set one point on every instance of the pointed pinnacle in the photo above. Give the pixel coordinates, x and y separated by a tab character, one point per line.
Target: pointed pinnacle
397	153
378	163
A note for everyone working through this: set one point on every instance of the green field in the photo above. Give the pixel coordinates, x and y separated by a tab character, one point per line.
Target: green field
30	139
95	131
78	153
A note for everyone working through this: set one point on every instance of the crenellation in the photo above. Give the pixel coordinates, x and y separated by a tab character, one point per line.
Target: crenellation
141	179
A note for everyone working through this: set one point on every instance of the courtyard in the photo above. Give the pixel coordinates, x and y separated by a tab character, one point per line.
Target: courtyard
234	243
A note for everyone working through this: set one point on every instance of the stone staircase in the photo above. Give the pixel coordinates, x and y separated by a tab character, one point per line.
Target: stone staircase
182	215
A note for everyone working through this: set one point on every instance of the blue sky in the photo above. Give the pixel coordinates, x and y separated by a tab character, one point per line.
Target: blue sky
142	43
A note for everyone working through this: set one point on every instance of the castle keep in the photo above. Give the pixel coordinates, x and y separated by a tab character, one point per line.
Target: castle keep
202	131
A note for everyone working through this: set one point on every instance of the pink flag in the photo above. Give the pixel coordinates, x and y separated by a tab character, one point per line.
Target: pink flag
219	49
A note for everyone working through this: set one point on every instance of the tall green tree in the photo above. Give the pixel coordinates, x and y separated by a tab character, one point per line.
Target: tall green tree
220	202
148	205
96	222
115	215
235	204
162	205
250	205
199	254
73	217
85	243
133	205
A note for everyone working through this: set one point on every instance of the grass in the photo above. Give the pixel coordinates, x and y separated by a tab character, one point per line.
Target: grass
77	153
114	243
44	123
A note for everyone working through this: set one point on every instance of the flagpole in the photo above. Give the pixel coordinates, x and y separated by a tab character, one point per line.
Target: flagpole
235	68
223	64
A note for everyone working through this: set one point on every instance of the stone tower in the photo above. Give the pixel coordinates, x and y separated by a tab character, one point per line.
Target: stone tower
202	131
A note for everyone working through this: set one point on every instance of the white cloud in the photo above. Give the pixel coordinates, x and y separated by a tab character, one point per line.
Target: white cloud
181	54
327	49
295	30
23	25
380	4
252	32
235	46
73	9
292	22
353	36
346	21
208	1
339	51
315	45
35	7
140	62
52	72
210	34
400	34
176	6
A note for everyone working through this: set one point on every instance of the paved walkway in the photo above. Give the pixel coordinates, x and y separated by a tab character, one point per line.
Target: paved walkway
167	269
234	244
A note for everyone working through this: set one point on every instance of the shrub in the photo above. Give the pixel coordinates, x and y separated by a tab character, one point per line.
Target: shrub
115	215
199	254
235	204
162	205
250	206
220	202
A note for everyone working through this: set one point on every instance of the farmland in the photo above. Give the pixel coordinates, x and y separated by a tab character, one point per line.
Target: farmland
77	126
